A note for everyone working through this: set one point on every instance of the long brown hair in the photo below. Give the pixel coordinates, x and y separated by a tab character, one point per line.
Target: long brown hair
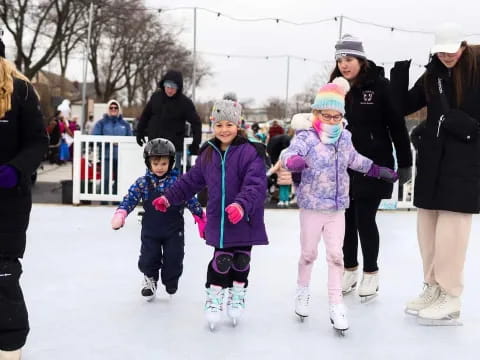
362	74
8	71
465	74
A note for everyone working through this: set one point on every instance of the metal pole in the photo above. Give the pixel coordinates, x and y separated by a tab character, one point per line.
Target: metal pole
85	65
340	29
194	72
286	92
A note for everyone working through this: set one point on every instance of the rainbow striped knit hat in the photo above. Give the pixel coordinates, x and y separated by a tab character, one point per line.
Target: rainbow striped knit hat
332	96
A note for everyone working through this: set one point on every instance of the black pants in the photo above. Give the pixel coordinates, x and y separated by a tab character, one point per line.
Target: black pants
360	221
164	255
13	312
229	265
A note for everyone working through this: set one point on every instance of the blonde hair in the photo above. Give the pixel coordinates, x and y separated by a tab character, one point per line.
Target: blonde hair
8	71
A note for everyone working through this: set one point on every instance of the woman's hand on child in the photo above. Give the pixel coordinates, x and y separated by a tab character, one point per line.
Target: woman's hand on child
384	173
201	224
118	219
296	163
161	204
235	212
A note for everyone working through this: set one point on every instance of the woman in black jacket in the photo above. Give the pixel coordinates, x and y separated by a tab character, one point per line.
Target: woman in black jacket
447	183
374	124
23	143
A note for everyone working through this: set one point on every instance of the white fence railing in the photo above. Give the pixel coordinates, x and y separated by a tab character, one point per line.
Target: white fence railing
105	166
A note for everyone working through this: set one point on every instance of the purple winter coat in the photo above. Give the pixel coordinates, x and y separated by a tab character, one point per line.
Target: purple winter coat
239	177
325	182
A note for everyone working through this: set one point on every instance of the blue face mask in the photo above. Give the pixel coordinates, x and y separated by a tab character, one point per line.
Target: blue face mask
329	134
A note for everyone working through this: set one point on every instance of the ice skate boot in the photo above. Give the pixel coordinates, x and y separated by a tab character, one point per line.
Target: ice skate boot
10	355
338	318
429	294
214	305
236	301
368	288
301	302
349	281
149	288
445	311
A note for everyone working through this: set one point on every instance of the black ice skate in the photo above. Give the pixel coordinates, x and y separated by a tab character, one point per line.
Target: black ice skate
149	288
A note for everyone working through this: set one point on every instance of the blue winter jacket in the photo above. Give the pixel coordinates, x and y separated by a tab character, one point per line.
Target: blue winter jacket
114	126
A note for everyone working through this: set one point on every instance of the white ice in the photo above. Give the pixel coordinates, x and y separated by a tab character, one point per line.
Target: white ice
82	288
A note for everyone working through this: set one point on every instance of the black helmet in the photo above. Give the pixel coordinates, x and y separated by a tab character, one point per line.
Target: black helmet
159	147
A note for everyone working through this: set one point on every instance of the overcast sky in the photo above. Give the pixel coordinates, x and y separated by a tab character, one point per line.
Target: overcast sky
260	79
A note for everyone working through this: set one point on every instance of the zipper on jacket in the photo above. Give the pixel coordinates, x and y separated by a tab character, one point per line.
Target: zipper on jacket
222	210
336	176
440	121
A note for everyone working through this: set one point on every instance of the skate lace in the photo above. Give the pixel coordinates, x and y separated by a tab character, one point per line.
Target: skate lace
149	283
338	311
303	297
441	301
237	297
428	292
214	300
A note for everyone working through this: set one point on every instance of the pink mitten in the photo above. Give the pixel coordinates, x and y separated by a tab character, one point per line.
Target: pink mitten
235	213
118	219
296	163
161	204
201	223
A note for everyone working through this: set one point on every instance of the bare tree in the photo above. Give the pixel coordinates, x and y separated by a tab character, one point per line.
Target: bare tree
275	108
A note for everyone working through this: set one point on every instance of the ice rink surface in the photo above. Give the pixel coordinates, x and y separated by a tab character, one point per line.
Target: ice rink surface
82	288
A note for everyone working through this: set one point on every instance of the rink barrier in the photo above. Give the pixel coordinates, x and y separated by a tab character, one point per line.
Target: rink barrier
90	162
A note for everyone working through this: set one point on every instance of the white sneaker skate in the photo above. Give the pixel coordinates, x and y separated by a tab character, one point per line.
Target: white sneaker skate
10	355
236	301
429	294
214	305
301	302
368	288
280	204
349	281
338	318
149	288
443	311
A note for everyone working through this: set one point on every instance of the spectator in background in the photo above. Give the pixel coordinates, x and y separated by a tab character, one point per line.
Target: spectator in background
113	124
89	125
55	139
166	115
258	134
275	129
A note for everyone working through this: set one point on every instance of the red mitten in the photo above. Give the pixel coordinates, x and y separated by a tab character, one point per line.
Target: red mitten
161	204
118	219
201	223
235	212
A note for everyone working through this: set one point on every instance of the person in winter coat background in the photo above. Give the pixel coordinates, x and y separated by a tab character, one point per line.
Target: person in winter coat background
166	115
374	123
233	169
112	124
447	183
284	182
322	153
23	143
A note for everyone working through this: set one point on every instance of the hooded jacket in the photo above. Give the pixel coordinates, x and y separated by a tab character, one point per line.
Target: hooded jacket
23	143
166	116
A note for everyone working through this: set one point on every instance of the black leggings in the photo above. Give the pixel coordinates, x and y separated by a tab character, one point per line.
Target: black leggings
360	221
229	265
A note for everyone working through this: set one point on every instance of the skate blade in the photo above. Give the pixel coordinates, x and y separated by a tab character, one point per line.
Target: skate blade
211	326
234	322
451	320
364	299
301	317
149	298
340	332
411	312
350	289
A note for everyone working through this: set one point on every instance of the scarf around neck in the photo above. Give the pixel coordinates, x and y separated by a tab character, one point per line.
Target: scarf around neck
328	134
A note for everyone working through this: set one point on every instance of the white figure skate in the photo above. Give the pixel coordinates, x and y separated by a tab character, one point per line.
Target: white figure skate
445	311
10	355
428	296
149	288
214	305
301	302
368	289
349	281
338	318
236	301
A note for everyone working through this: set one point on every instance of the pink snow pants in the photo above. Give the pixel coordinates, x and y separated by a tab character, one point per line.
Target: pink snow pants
331	226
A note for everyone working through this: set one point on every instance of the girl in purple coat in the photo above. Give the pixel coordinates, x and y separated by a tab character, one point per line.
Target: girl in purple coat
233	170
323	153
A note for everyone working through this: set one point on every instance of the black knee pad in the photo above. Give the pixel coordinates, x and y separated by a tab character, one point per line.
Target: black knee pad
241	261
222	262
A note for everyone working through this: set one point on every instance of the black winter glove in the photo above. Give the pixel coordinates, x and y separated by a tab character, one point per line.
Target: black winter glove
193	149
404	174
141	139
399	78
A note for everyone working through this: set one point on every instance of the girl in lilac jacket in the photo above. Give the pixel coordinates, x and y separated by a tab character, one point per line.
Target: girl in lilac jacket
323	153
233	170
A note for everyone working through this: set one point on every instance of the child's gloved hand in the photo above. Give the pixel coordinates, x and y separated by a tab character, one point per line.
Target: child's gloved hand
235	212
201	224
384	173
118	219
296	163
161	204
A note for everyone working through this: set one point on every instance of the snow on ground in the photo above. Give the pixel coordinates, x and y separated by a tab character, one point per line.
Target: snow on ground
83	293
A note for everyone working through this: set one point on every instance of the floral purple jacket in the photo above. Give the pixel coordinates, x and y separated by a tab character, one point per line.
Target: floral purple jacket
236	175
325	182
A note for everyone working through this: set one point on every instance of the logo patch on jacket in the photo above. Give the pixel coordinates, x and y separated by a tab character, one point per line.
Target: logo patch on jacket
3	121
367	97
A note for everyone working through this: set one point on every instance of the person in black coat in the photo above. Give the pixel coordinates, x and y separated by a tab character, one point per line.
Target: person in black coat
375	123
166	115
447	182
23	143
